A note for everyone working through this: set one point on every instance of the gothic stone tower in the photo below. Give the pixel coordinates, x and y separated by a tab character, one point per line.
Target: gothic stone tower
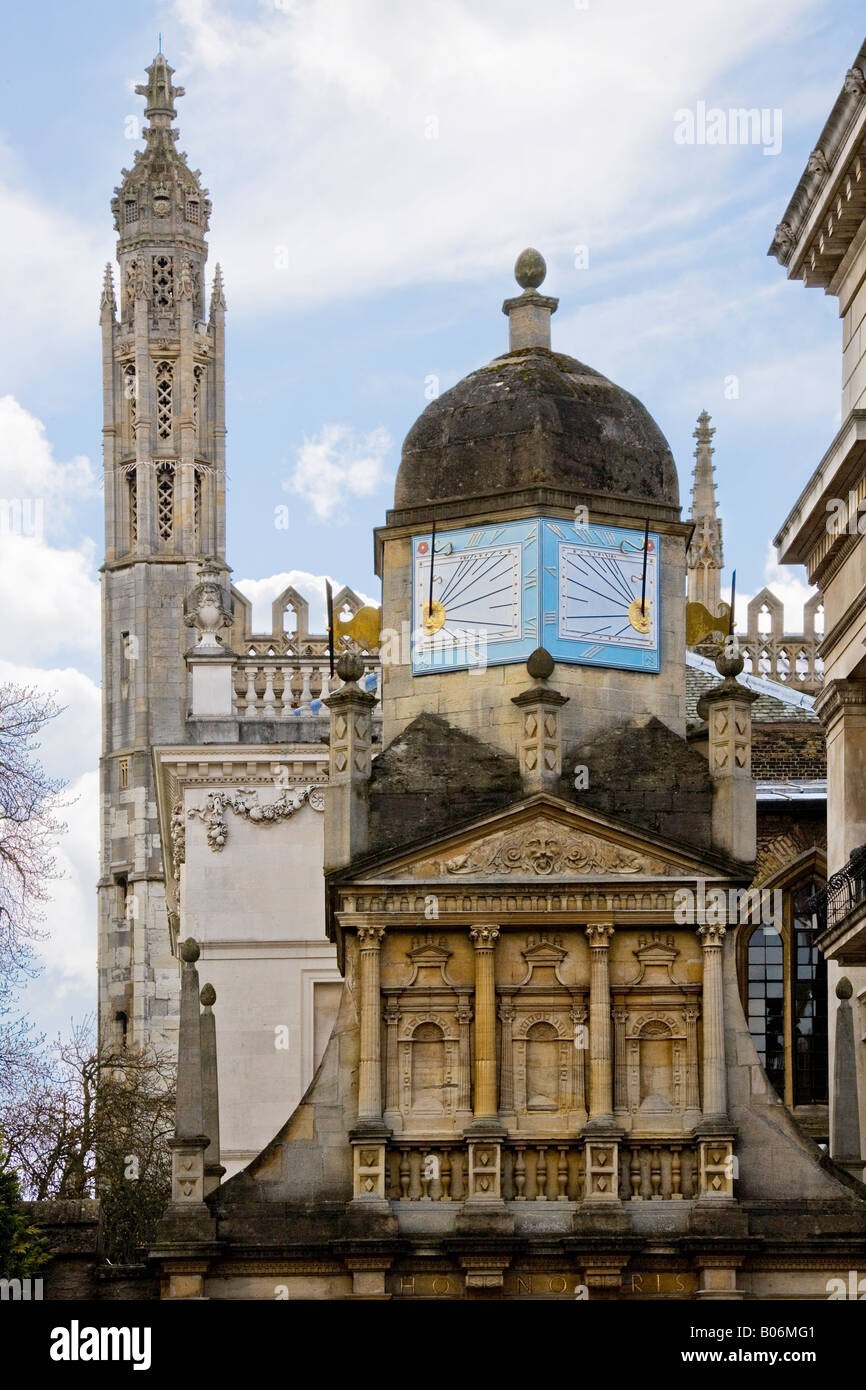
164	462
705	559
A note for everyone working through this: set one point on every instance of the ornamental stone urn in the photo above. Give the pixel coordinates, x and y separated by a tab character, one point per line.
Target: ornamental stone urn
209	607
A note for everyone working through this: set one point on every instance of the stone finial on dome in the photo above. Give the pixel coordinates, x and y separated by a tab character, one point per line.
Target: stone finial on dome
530	269
529	313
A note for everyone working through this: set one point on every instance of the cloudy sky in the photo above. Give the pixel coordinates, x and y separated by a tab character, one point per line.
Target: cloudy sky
375	168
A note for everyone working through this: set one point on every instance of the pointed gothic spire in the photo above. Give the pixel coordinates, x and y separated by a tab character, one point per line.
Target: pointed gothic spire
107	300
217	297
705	556
160	93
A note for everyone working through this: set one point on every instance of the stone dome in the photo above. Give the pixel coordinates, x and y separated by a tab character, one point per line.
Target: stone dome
534	418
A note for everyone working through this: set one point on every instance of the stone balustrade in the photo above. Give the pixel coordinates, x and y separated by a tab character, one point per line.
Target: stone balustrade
542	1170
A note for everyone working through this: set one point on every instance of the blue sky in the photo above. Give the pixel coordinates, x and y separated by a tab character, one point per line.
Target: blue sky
403	156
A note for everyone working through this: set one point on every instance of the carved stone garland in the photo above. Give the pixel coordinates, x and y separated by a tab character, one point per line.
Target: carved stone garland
245	802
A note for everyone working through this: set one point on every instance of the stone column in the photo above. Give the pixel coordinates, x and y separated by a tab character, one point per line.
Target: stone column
600	1072
185	426
693	1093
715	1077
581	1047
464	1060
346	812
370	1062
484	940
214	522
845	1134
187	1221
841	706
620	1095
506	1077
213	1169
392	1065
727	709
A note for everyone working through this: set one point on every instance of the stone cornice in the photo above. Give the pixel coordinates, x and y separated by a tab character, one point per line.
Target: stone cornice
808	244
837	696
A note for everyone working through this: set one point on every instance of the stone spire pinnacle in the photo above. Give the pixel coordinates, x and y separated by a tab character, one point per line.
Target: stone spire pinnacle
159	92
106	299
217	297
529	313
705	556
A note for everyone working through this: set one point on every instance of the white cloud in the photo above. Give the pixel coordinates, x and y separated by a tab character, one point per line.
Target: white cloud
787	582
550	132
262	593
70	915
49	595
337	464
29	470
54	289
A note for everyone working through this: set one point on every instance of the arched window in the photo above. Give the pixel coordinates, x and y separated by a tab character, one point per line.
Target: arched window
810	1005
767	1002
783	985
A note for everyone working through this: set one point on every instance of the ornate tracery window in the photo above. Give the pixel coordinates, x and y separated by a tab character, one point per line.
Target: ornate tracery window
164	384
197	394
165	501
196	506
132	508
163	282
130	402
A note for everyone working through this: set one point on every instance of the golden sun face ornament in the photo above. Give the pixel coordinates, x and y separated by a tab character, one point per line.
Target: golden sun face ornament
640	621
433	617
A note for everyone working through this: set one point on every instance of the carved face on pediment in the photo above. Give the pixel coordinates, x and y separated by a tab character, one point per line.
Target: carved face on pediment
541	847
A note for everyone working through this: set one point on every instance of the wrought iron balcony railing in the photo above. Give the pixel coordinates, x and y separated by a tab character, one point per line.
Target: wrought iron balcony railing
845	890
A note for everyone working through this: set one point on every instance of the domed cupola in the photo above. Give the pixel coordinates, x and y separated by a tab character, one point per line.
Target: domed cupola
535	420
536	507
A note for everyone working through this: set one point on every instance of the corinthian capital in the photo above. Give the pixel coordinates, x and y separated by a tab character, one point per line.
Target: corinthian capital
483	937
599	934
370	938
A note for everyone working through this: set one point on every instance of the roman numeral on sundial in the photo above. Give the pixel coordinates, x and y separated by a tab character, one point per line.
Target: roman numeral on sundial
556	529
549	618
475	538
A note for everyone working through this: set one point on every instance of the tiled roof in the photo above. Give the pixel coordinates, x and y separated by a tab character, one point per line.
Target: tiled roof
775	701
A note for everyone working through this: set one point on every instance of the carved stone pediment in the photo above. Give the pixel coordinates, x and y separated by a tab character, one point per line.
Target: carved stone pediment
656	956
541	847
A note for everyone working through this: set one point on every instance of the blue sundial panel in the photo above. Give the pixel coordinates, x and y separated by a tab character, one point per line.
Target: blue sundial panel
500	591
485	595
596	608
